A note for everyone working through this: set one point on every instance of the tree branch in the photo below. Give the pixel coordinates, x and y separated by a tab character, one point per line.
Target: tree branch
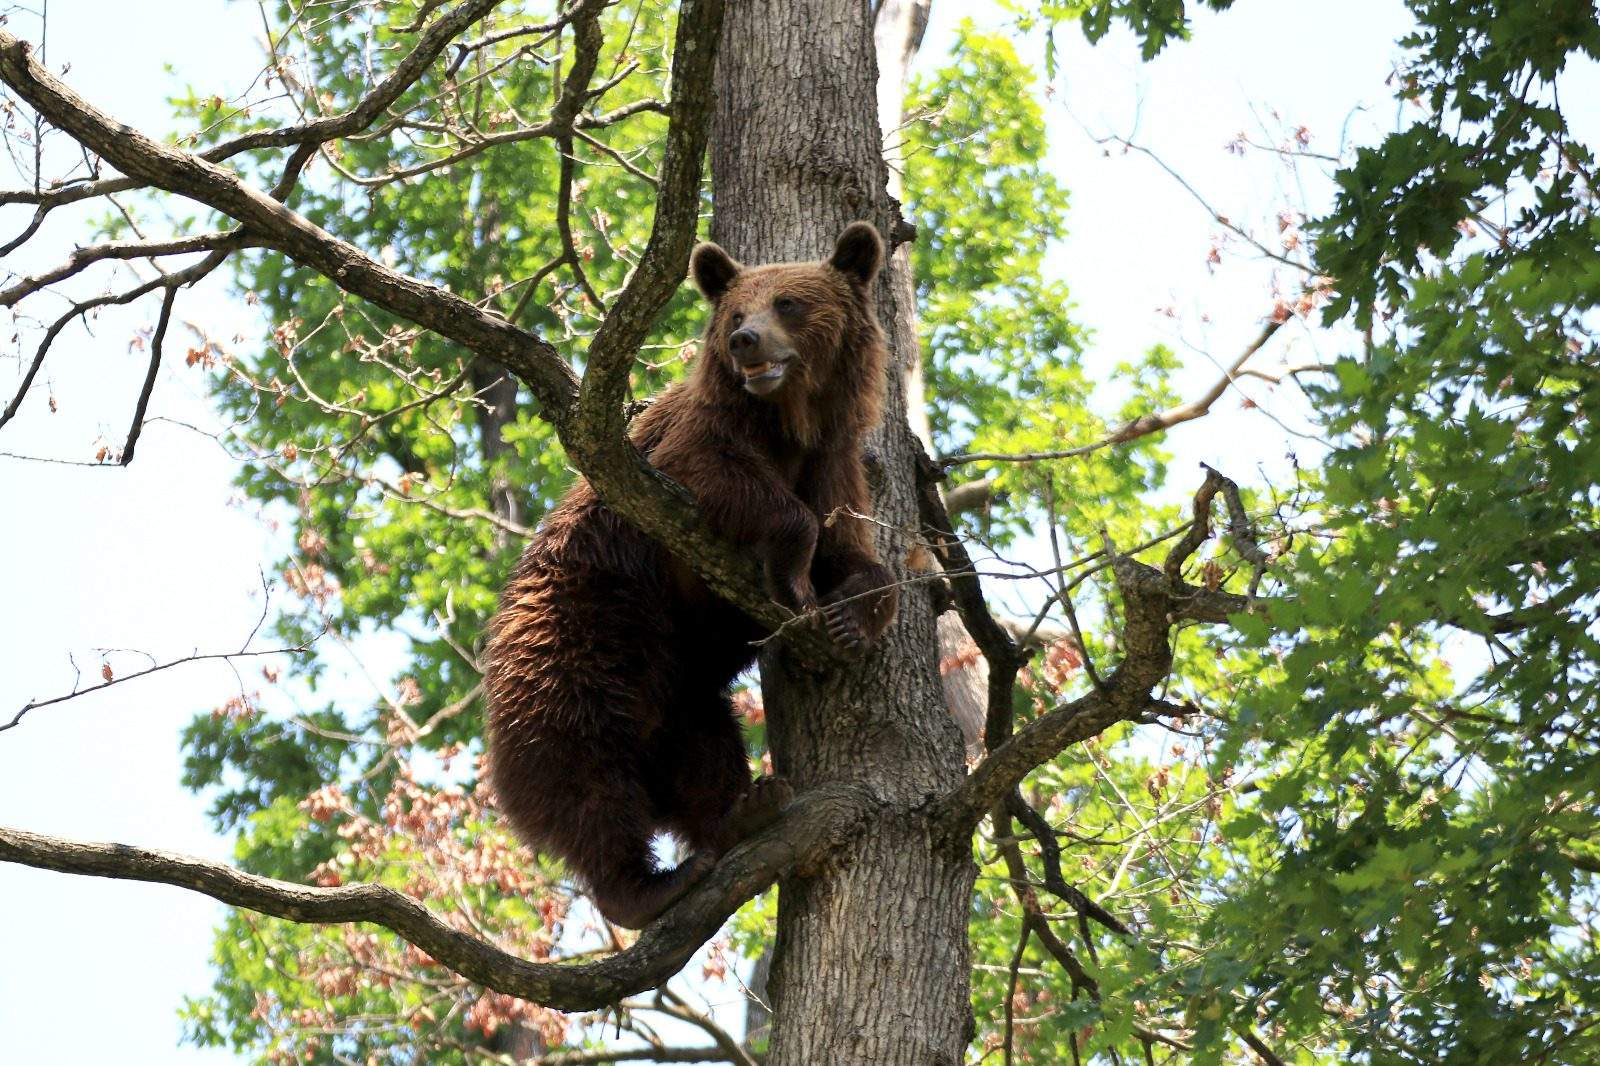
969	496
596	433
1050	858
999	649
406	74
815	823
84	257
640	1054
1135	428
149	162
157	340
1153	600
171	281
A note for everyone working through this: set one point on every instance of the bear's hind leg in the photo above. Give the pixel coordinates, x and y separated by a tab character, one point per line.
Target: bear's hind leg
636	897
705	793
611	851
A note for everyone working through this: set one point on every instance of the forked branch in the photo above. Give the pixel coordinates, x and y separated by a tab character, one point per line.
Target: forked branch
273	225
1153	601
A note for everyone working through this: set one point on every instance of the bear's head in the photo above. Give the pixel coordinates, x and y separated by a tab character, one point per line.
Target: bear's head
779	332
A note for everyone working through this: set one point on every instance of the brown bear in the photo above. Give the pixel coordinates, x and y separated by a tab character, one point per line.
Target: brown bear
609	717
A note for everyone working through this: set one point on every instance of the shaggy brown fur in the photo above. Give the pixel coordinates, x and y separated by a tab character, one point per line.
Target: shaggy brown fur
609	718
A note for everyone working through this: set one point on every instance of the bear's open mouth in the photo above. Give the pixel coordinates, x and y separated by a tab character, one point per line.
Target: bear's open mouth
762	378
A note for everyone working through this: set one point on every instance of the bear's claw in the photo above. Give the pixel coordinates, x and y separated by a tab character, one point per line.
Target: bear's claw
845	630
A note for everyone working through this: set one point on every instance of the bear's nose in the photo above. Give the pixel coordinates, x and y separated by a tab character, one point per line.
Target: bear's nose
742	340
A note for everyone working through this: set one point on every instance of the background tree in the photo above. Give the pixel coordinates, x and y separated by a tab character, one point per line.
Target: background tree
1310	837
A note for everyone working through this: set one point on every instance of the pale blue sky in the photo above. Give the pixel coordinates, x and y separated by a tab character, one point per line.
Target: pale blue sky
155	558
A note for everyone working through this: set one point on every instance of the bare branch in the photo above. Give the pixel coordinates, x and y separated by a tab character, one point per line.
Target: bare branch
1144	425
994	641
226	656
1009	1032
586	56
1199	530
645	1054
1221	219
84	257
1259	1046
150	162
428	48
171	281
815	823
157	339
673	1005
1050	855
430	45
1277	375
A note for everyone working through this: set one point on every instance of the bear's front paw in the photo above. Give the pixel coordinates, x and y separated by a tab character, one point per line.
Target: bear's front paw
861	608
845	628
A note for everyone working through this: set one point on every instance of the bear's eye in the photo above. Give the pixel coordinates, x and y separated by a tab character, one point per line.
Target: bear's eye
786	305
736	321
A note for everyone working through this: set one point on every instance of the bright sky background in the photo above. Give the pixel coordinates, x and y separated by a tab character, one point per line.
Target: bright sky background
157	558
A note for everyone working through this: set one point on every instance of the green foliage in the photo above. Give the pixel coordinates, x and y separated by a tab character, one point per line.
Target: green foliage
405	483
1427	746
1155	22
1003	356
1384	851
1492	141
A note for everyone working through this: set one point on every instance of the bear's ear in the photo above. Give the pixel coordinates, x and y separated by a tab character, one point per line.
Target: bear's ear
859	253
713	269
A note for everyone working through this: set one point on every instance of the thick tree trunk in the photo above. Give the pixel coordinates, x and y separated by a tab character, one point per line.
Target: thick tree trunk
871	961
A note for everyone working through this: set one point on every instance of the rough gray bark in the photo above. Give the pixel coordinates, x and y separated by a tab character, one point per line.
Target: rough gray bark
871	960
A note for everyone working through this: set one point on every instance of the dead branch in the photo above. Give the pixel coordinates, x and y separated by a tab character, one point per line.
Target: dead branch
1143	426
157	339
121	250
198	657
